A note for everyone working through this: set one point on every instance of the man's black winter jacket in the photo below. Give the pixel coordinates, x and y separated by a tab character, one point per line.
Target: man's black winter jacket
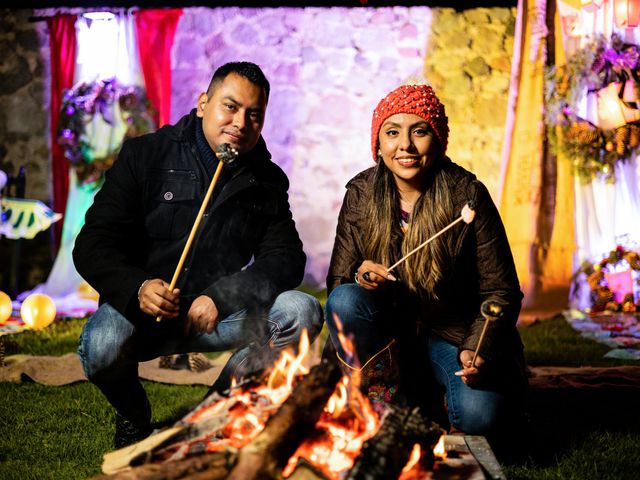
247	249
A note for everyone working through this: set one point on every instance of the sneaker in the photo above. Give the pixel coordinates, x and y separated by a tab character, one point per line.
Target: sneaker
128	432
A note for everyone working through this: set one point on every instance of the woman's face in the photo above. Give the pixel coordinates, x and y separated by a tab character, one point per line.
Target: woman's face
408	147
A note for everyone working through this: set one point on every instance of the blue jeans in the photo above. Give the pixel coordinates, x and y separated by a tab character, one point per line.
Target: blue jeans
371	324
111	346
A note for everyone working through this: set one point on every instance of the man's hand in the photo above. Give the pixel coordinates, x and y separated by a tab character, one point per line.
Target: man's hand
469	374
202	316
156	299
371	275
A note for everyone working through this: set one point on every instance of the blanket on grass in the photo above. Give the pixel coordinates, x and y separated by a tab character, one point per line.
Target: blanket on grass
619	331
66	369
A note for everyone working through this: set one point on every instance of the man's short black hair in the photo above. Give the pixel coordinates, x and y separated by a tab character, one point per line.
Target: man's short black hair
248	70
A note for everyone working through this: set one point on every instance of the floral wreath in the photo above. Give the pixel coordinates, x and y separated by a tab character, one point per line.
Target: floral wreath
594	150
602	297
81	103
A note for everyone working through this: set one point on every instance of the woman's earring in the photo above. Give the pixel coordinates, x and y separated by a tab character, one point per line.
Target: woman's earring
379	159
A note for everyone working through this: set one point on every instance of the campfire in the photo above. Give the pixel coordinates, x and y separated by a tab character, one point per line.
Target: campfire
296	422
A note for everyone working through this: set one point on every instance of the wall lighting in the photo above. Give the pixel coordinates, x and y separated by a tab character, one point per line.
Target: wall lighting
591	5
627	13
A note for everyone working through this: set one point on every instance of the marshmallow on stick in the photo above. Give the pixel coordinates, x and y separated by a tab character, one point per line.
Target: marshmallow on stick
491	311
467	215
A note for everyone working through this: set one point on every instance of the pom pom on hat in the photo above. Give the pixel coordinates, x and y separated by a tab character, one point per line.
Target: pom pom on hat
420	100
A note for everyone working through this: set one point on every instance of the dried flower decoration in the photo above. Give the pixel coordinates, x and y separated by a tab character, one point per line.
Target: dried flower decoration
597	67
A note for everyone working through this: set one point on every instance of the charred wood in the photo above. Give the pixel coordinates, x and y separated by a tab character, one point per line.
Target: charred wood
385	454
269	452
213	466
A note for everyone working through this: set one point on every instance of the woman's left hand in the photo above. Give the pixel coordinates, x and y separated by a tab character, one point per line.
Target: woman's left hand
470	374
371	275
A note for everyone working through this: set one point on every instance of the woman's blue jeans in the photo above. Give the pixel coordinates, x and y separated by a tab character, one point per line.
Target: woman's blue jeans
364	317
111	346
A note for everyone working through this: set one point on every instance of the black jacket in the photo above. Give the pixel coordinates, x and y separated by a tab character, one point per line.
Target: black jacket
482	267
246	251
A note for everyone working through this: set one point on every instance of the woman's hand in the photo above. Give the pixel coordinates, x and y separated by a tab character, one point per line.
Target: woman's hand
371	275
469	374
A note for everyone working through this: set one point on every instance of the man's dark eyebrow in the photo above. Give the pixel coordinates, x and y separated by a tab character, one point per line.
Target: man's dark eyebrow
231	99
235	102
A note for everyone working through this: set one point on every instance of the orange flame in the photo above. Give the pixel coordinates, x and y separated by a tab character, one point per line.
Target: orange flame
246	412
439	450
341	432
345	342
413	458
415	468
346	423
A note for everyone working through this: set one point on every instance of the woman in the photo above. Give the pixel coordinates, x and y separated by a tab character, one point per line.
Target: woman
424	316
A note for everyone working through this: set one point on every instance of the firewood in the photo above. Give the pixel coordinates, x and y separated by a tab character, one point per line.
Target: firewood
266	456
212	466
385	454
262	458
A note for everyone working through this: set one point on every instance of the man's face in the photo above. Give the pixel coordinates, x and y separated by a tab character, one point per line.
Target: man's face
234	114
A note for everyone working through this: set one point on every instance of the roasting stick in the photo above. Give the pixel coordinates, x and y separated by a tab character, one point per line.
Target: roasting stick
467	215
227	155
491	311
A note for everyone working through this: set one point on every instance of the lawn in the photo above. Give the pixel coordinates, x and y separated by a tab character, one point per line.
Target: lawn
62	432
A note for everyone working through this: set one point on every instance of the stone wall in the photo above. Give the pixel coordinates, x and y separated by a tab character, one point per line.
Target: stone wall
24	138
328	68
468	63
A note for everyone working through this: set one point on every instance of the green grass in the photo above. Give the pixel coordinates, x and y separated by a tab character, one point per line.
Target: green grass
59	338
62	432
599	454
555	342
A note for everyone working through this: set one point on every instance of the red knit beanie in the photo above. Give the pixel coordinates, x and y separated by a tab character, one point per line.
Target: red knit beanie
418	99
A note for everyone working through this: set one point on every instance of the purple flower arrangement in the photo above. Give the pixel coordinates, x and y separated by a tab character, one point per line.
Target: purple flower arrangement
85	100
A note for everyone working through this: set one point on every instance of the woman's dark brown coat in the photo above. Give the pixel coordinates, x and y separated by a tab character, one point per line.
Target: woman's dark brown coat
482	268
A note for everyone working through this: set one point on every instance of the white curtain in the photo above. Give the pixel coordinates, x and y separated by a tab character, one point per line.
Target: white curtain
106	49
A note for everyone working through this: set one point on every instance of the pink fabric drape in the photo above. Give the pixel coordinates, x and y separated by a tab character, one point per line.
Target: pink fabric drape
155	29
62	41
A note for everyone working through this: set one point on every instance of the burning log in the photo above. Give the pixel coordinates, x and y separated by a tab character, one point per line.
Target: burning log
385	454
262	458
268	454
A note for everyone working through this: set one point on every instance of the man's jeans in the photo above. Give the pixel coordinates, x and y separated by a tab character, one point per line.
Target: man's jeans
473	410
111	346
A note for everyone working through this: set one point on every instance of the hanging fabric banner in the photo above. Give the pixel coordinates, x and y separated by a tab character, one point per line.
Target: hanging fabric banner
156	29
62	42
522	163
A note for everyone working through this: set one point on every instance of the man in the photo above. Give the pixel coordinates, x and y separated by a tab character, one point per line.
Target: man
235	288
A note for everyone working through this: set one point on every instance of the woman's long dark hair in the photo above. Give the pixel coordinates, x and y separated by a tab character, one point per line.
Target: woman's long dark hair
433	211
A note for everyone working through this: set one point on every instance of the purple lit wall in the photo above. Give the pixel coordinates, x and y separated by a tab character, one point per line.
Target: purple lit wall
328	68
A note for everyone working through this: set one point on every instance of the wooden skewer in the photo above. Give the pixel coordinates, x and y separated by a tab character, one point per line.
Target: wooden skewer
491	311
467	216
224	158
